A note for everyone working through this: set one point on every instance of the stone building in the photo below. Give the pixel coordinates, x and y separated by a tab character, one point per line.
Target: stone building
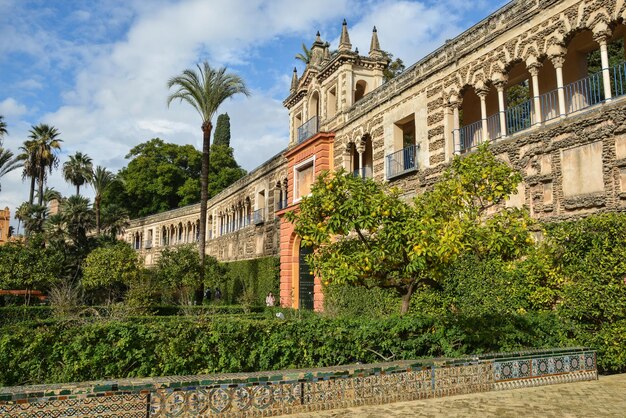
543	80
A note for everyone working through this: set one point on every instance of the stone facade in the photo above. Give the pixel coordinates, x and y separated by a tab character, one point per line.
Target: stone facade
289	391
565	131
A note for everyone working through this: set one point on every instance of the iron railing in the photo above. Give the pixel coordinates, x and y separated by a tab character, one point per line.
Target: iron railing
618	73
584	93
258	216
493	126
470	135
308	129
519	117
549	103
402	161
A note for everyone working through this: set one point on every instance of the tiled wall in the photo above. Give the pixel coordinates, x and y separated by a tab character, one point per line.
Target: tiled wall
283	392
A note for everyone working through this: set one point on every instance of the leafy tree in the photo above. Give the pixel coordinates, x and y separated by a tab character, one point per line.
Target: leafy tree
222	130
205	91
156	179
78	170
27	267
110	268
101	180
41	154
9	162
395	67
180	269
364	233
224	169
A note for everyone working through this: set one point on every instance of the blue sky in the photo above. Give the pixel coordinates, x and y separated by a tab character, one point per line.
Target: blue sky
97	70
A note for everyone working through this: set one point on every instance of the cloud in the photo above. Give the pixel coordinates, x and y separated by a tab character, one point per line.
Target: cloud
9	107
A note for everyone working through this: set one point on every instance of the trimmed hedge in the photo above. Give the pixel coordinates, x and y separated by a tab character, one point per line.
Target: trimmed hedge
62	351
260	276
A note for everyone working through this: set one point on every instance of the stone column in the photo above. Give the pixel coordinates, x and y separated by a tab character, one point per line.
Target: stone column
481	91
455	103
499	80
361	149
601	37
533	68
557	56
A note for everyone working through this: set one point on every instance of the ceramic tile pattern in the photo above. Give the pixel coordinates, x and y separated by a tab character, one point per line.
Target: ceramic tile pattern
292	391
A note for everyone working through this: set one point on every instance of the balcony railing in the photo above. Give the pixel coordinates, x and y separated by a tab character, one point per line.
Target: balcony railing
258	216
519	117
402	161
364	172
584	93
308	129
618	75
493	126
549	103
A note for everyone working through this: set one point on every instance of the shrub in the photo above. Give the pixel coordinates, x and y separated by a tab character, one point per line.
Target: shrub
257	276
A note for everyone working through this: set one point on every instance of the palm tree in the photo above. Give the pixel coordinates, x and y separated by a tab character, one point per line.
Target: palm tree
79	218
3	128
30	167
100	180
115	220
78	170
21	214
306	54
8	162
205	91
42	147
35	218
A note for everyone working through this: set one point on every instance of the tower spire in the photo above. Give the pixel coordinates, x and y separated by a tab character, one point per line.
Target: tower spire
344	40
375	51
294	80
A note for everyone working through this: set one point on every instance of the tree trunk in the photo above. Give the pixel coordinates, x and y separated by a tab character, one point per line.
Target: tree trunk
204	198
97	204
77	190
41	180
31	198
406	299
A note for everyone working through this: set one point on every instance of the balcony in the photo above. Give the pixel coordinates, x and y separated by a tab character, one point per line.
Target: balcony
401	162
258	216
578	96
308	129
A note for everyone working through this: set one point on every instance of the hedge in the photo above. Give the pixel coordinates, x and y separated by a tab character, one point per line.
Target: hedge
259	276
63	351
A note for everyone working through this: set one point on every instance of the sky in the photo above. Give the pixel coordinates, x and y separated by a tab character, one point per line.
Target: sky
97	70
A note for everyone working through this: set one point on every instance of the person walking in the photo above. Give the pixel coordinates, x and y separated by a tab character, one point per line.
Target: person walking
269	300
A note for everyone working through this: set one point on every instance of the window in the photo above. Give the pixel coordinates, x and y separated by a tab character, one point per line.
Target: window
404	158
331	102
304	176
360	90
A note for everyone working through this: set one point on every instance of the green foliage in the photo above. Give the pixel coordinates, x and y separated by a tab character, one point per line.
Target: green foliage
351	301
224	170
258	276
222	130
395	67
26	267
153	177
110	268
365	234
179	269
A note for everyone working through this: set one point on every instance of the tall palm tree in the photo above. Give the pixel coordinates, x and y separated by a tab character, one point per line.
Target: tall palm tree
45	144
8	162
78	170
28	155
3	128
79	218
205	90
115	220
100	180
21	214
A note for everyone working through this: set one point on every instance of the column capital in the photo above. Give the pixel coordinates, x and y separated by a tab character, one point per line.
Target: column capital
601	33
455	101
557	55
481	89
499	80
533	65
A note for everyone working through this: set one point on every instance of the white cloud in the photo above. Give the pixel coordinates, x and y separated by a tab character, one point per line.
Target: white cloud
9	107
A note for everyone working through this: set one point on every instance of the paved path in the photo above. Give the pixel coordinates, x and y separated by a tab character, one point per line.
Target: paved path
603	398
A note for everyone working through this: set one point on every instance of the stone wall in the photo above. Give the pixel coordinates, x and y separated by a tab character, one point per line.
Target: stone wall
289	391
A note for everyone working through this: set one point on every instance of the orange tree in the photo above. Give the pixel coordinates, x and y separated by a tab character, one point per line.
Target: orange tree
366	233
